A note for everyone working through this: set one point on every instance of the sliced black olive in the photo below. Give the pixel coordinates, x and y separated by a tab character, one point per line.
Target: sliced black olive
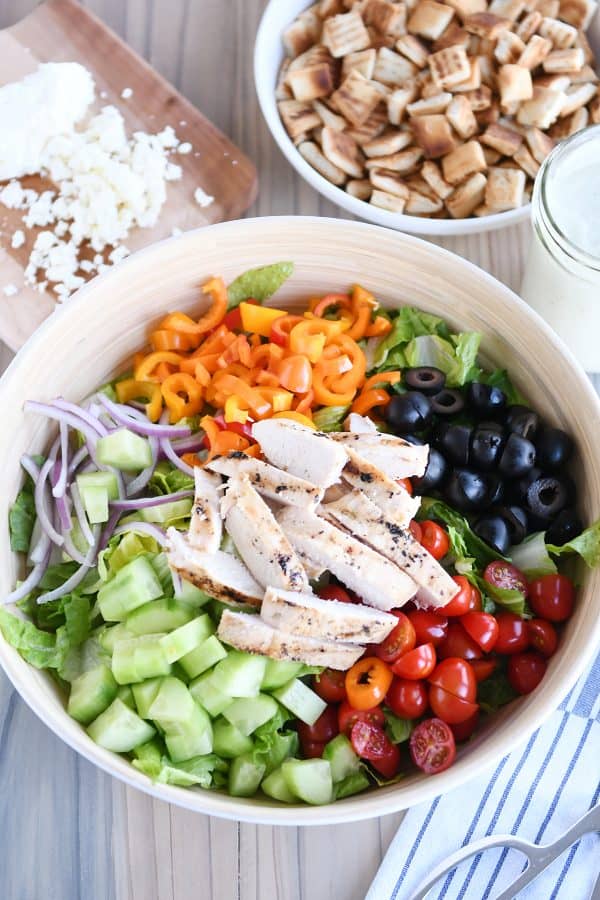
455	442
486	446
494	531
486	400
495	489
516	520
426	379
413	439
448	402
518	456
409	412
553	446
467	490
546	497
491	426
522	420
434	475
566	526
518	489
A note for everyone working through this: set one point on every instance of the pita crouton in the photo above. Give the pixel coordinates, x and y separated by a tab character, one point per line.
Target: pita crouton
391	141
345	33
429	19
434	135
463	162
389	182
539	144
528	26
486	25
504	189
392	68
543	109
509	48
360	188
389	202
356	97
461	117
384	16
432	175
398	102
467	196
561	34
404	162
571	60
297	117
312	154
342	151
578	13
363	61
505	140
449	67
525	160
430	106
514	84
413	49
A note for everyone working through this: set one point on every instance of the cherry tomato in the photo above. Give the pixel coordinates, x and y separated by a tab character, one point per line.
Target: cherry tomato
417	663
312	749
430	628
348	716
513	636
461	602
406	698
482	668
367	682
448	707
482	627
233	319
542	636
552	597
406	483
330	685
456	677
458	643
334	592
415	530
462	731
432	746
434	539
399	641
525	671
324	729
372	743
475	599
502	574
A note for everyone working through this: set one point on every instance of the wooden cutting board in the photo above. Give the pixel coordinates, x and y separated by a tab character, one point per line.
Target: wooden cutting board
64	31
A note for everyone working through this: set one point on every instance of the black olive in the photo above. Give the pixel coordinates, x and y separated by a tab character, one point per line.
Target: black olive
553	446
455	442
486	400
494	531
409	412
467	490
565	527
448	402
434	475
426	379
518	489
413	439
546	497
516	520
486	446
518	456
491	426
522	420
495	489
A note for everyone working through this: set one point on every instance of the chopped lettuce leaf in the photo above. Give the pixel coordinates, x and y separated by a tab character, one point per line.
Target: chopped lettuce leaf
532	558
121	550
151	759
258	284
398	730
273	744
407	325
471	544
330	418
21	518
35	646
167	479
70	617
513	601
587	545
495	692
456	357
351	784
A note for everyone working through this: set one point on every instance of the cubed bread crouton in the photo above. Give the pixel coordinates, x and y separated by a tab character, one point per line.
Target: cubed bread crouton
434	135
514	84
461	117
479	100
345	33
467	196
466	8
432	175
384	180
505	140
342	151
429	106
452	36
491	156
543	109
399	100
282	90
578	13
539	144
359	188
390	141
549	8
449	67
472	82
392	68
413	49
564	128
391	203
298	37
363	61
561	34
507	9
371	128
585	74
525	160
297	117
582	41
486	25
463	162
576	97
509	48
488	116
594	109
328	117
554	82
535	52
528	26
386	17
312	82
328	8
419	204
429	19
356	97
571	60
404	162
313	156
504	189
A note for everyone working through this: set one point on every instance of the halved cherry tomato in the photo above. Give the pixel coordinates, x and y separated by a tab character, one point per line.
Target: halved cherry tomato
324	729
429	626
399	641
432	746
513	636
330	685
367	682
373	744
552	597
335	592
502	574
417	663
482	627
475	599
458	643
348	716
455	676
483	668
434	539
448	707
415	530
461	603
542	636
313	749
462	731
406	698
525	671
233	319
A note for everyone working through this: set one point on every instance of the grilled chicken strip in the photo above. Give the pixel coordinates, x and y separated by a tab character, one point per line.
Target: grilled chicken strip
259	540
206	525
252	634
363	518
307	615
374	578
300	451
219	574
395	457
387	494
359	424
272	482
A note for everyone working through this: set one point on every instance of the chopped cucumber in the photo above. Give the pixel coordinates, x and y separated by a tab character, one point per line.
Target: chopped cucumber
95	502
341	757
158	615
240	674
173	703
144	695
301	701
166	512
245	776
249	713
203	657
110	634
195	739
228	741
187	727
133	585
119	729
274	785
186	638
309	779
78	539
278	672
190	594
91	693
138	658
124	450
352	784
125	694
207	692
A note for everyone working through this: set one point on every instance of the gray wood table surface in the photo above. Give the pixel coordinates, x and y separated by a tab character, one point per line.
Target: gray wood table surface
67	830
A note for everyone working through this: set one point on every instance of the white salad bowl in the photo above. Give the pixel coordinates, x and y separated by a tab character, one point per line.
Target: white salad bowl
268	56
93	337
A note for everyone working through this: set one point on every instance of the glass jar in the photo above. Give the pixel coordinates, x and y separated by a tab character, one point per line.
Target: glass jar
562	273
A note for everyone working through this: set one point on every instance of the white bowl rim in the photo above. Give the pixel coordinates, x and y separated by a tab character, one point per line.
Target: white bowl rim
374	803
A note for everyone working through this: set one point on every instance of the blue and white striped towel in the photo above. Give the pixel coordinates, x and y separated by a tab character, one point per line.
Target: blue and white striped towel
537	792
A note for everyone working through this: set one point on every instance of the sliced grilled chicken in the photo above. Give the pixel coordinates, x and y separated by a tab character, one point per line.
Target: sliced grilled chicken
363	518
219	574
374	578
387	494
395	457
258	538
206	526
300	451
305	614
272	482
359	424
252	634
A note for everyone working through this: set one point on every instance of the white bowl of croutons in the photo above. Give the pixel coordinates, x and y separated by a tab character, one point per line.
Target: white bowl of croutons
423	116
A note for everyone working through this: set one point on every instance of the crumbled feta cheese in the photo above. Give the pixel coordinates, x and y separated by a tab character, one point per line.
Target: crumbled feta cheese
18	239
126	93
202	198
10	290
118	254
185	147
13	195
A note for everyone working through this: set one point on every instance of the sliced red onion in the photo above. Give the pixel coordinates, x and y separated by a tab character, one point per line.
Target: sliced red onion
108	530
81	516
146	502
124	415
143	528
63	508
167	449
141	480
59	473
60	415
76	461
77	577
31	582
41	548
39	496
31	467
191	444
93	421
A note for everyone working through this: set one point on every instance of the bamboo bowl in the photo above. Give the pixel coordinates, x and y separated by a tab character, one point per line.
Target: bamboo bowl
94	336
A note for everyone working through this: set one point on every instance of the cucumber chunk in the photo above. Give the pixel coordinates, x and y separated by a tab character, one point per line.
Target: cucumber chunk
119	729
301	701
278	672
240	674
274	785
138	658
351	784
228	741
91	693
166	512
207	692
309	779
110	634
133	585
249	713
195	739
124	450
187	727
203	657
106	480
244	776
125	694
173	703
144	695
190	594
186	638
164	615
341	757
95	502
